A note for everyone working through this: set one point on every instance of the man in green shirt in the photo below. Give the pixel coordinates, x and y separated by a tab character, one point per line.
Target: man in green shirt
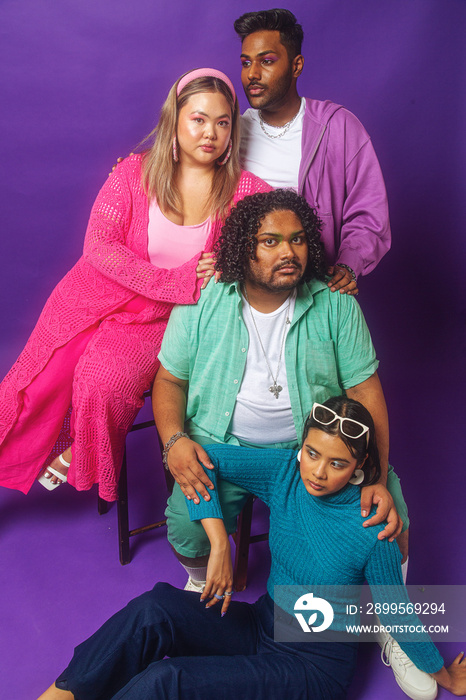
245	364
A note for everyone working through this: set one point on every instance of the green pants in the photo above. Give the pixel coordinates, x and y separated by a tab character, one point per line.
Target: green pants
189	538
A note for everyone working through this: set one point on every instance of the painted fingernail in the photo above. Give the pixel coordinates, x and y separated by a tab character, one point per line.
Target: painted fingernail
223	614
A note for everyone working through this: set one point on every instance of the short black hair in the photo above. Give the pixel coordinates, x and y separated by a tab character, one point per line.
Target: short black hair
359	447
237	244
279	20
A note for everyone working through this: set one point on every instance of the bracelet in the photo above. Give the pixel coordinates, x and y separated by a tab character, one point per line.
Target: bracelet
350	270
169	445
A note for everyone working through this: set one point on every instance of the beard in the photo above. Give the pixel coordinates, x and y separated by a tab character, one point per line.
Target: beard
273	94
272	282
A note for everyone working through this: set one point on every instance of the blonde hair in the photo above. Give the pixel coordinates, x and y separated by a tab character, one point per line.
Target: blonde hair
159	168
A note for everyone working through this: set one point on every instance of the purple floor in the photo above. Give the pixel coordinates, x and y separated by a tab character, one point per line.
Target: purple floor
61	578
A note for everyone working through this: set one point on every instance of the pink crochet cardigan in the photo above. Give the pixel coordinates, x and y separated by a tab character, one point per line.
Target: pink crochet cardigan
113	270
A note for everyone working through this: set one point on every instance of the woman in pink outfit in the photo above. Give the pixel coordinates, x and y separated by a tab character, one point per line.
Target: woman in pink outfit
147	248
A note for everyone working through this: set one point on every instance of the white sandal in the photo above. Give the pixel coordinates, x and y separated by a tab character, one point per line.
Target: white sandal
45	480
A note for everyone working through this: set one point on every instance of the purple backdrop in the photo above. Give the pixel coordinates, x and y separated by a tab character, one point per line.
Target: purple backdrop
82	83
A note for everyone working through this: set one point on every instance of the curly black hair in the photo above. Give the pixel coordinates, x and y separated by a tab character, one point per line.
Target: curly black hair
237	244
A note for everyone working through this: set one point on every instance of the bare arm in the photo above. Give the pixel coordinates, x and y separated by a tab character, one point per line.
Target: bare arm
219	569
169	406
370	394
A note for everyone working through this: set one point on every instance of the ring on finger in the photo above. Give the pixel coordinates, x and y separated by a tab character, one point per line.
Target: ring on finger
228	593
219	597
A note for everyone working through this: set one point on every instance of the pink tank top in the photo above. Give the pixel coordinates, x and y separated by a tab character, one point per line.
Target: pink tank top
171	245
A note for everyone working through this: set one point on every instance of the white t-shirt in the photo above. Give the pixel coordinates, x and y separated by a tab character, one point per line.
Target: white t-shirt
274	160
259	417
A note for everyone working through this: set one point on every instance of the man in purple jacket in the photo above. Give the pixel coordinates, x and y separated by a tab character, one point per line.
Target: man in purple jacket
318	148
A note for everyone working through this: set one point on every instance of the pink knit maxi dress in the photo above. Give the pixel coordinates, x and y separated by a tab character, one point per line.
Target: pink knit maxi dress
96	342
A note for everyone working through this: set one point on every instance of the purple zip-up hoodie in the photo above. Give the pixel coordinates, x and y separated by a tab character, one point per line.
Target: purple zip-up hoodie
340	176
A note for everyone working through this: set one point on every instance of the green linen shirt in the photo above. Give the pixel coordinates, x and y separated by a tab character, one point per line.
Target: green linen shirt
328	349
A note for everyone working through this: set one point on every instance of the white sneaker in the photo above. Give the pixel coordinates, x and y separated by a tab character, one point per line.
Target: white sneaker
417	684
196	586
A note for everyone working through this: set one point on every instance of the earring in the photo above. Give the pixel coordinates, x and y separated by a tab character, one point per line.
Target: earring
357	478
227	157
175	150
298	456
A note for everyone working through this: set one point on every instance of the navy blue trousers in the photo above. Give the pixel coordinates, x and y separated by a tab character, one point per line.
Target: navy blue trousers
211	658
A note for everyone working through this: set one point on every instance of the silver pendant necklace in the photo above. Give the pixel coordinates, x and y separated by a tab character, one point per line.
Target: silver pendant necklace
286	127
275	388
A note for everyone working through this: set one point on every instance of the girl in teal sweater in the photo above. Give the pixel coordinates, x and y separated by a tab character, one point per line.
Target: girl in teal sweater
316	539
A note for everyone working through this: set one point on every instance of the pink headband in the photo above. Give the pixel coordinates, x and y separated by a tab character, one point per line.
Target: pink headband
205	73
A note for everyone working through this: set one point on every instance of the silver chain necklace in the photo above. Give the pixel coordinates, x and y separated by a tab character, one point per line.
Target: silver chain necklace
286	127
275	389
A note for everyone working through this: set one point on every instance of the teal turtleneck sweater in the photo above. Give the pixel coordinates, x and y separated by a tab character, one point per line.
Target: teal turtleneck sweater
314	540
